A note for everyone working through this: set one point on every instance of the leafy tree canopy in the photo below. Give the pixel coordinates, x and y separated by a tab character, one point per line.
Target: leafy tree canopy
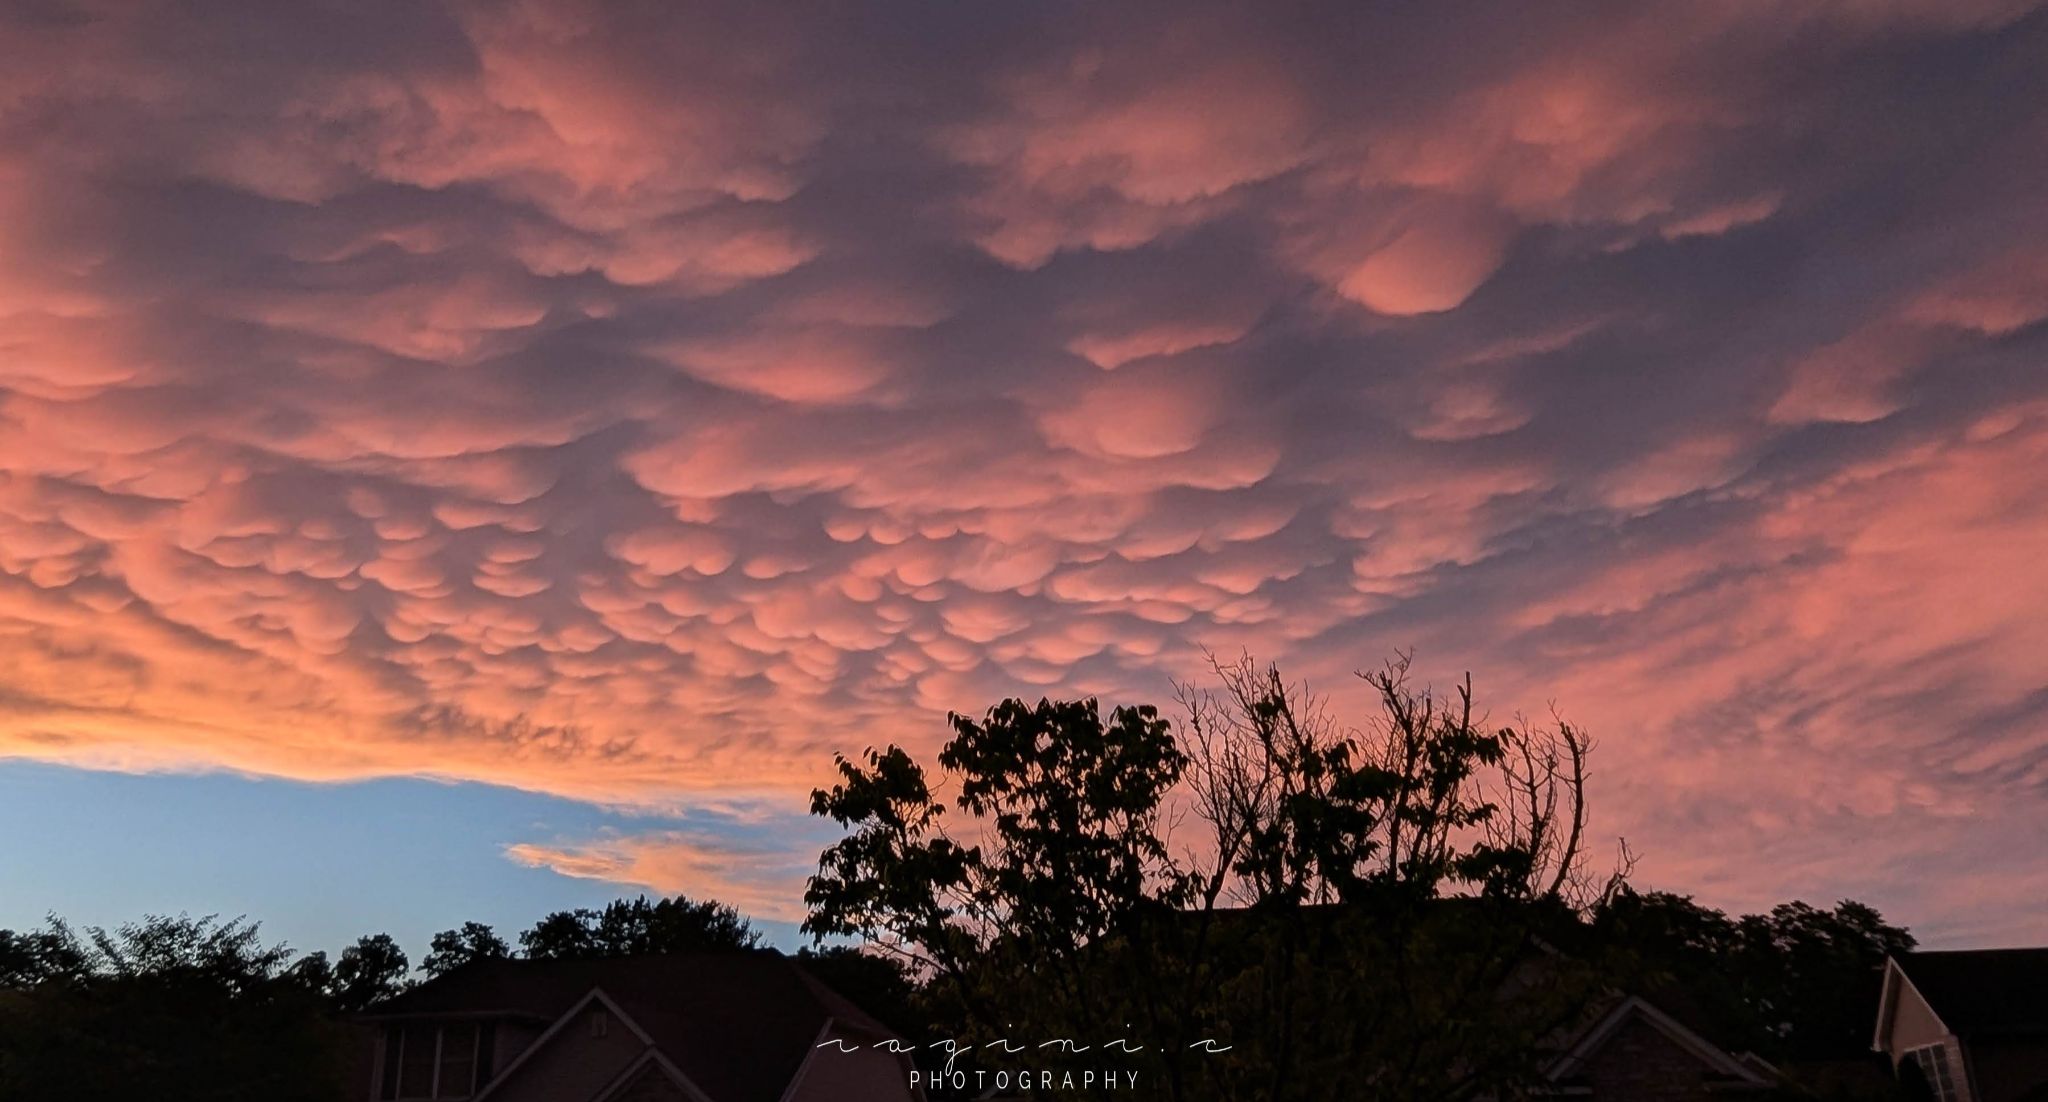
633	927
1797	981
1424	848
451	949
192	1008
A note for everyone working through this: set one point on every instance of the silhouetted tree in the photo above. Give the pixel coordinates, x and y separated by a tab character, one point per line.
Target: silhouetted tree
877	983
633	927
1389	882
373	968
1795	982
31	957
314	973
454	948
178	1008
1073	851
1408	881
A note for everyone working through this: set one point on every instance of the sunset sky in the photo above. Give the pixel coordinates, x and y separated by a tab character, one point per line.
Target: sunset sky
459	460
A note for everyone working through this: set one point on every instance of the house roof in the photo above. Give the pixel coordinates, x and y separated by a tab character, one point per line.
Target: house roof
1730	1072
1983	992
739	1025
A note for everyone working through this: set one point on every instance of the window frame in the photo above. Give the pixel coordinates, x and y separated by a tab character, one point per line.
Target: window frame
1939	1071
393	1086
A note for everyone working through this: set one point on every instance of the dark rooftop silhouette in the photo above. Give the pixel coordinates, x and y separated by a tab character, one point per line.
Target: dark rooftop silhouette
739	1024
1984	992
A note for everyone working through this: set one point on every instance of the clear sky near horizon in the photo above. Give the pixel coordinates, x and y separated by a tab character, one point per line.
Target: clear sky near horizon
317	865
461	460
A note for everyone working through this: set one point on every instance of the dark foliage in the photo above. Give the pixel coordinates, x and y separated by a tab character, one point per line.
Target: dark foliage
186	1008
638	926
1392	886
373	968
876	983
1796	983
453	948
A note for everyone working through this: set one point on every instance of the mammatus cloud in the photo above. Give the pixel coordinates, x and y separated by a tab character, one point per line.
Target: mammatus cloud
643	406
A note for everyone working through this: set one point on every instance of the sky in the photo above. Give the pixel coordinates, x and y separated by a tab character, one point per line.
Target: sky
459	460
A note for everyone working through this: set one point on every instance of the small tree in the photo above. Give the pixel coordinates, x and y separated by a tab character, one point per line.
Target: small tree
1407	880
452	949
1070	853
372	969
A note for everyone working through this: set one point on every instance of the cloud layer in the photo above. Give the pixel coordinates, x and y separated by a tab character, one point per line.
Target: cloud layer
640	405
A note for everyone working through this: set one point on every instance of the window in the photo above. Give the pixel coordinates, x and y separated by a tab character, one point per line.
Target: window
457	1078
416	1057
394	1050
435	1061
1932	1060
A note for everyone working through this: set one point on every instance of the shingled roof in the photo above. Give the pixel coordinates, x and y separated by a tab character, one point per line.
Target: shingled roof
738	1024
1984	992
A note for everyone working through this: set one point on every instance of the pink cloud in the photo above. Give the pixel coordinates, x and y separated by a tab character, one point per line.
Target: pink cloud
702	867
642	406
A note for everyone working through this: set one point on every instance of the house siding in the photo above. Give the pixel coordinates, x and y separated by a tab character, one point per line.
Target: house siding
514	1037
652	1085
1639	1063
573	1066
1914	1025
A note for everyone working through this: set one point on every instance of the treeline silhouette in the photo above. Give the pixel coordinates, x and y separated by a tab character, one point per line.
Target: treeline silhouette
1397	908
204	1008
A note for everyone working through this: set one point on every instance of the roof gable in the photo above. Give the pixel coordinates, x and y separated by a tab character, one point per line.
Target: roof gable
1735	1072
1895	995
651	1055
732	1025
640	1080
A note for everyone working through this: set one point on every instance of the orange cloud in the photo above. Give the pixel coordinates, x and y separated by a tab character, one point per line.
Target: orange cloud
757	883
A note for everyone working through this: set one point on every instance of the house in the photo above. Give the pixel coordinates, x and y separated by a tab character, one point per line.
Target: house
1633	1050
728	1027
1971	1025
